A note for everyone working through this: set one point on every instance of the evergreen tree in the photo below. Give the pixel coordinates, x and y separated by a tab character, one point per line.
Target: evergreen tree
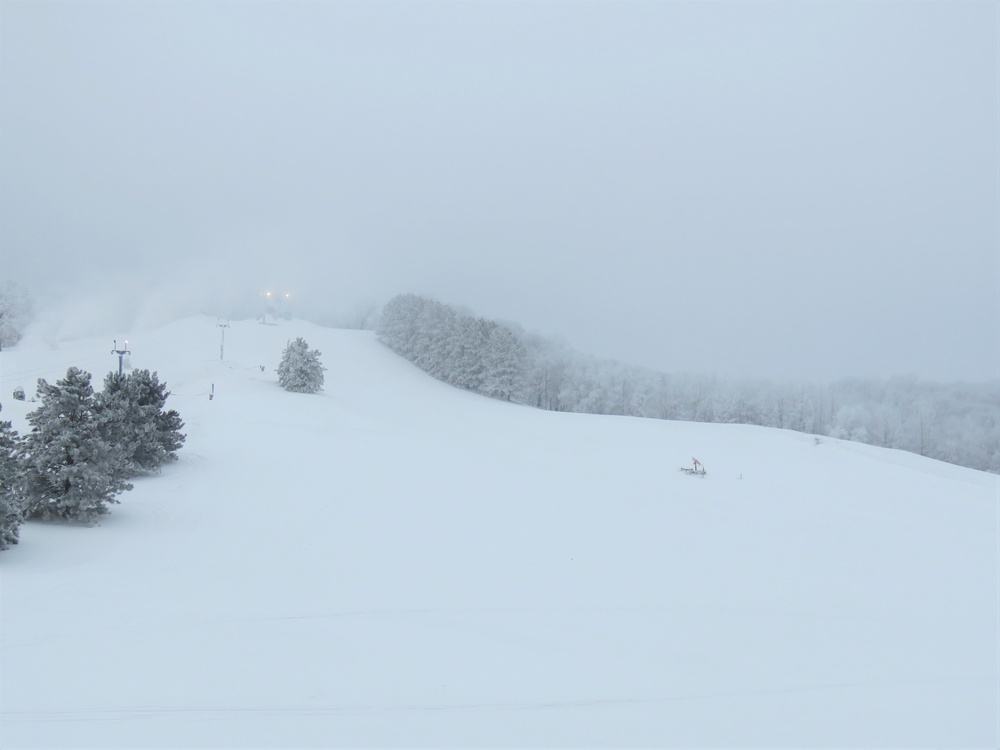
397	325
72	472
131	416
504	364
300	369
476	354
168	433
11	486
468	365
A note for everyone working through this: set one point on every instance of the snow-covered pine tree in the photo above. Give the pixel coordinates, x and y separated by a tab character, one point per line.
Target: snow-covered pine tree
504	364
71	472
476	354
300	369
168	432
397	325
437	332
11	485
131	416
468	364
123	422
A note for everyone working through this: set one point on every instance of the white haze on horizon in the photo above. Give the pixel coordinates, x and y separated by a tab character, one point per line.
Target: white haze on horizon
794	191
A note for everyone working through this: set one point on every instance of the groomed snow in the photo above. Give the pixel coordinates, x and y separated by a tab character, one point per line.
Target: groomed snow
396	562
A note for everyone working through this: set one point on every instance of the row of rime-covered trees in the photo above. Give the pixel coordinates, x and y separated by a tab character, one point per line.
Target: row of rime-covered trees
83	448
472	353
959	423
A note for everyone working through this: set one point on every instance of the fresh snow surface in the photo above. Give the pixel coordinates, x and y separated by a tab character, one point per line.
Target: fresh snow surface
396	562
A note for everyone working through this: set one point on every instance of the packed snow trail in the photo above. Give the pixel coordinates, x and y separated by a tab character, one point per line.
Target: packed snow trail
396	562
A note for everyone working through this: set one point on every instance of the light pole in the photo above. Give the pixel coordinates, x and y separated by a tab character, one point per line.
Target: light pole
222	344
121	353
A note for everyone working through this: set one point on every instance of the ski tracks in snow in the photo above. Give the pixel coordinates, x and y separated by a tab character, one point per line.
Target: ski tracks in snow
215	713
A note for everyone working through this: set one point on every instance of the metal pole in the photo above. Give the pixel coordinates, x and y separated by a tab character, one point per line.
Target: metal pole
121	353
222	345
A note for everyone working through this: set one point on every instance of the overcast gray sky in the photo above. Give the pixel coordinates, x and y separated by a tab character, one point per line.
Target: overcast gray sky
778	189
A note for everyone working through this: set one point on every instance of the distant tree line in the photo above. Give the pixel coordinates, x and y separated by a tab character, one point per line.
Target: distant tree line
15	310
958	423
472	353
84	447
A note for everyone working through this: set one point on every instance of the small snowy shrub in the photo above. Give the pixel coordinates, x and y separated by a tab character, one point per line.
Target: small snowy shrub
300	369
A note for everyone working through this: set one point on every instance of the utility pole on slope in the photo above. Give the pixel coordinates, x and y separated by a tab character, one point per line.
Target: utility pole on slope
121	353
222	345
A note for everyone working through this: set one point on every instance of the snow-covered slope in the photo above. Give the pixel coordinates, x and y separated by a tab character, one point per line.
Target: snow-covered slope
396	562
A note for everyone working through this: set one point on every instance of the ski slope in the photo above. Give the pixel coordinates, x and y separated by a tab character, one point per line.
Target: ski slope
395	562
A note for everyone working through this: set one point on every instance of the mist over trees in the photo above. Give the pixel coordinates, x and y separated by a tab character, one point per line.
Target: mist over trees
958	423
15	310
